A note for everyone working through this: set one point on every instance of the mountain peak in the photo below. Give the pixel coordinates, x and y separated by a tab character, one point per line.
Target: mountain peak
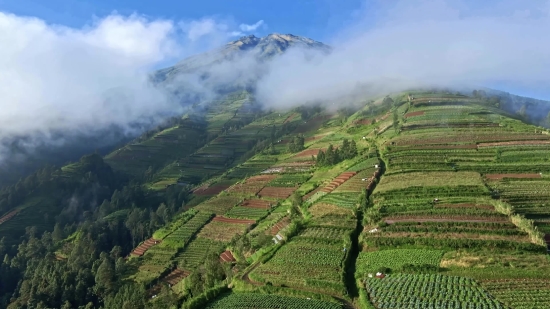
262	49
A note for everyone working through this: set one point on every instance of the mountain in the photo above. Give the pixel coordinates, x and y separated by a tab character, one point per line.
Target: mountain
261	49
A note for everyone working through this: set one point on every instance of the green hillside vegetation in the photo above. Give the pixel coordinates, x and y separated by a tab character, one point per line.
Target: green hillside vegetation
444	194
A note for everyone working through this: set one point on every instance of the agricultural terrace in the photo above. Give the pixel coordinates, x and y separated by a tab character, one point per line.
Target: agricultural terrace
429	179
252	185
358	182
160	149
196	252
445	171
398	260
269	301
521	294
219	204
332	215
279	193
428	291
223	231
314	260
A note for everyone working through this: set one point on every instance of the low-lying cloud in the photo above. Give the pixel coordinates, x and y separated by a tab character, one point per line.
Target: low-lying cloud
80	81
421	43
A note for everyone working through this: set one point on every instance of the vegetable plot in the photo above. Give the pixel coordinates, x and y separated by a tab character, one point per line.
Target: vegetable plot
268	301
428	291
370	262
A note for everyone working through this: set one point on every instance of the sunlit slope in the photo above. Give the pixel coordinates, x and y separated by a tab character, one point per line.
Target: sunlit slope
462	180
436	196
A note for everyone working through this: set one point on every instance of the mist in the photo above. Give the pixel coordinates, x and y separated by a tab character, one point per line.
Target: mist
55	79
421	44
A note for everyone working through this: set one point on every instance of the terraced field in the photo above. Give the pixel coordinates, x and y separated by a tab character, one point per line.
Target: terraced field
446	209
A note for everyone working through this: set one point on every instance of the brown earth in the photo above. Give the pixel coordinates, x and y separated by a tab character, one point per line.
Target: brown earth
230	220
8	216
412	114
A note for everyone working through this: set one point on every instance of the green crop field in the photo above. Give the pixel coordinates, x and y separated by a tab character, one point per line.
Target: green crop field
262	301
428	291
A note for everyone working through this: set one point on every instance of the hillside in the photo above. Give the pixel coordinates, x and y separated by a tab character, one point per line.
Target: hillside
444	194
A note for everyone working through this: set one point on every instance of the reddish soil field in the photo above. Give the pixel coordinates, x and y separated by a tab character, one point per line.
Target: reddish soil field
310	193
309	153
513	143
338	181
176	276
8	216
256	203
277	192
465	205
261	178
279	226
412	114
365	122
227	256
290	118
501	176
252	185
214	190
229	220
449	219
140	250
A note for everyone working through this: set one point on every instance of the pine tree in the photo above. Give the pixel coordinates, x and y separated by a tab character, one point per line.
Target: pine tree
57	233
321	159
352	149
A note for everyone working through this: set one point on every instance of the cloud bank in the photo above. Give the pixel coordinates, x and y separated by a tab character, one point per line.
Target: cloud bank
421	43
79	81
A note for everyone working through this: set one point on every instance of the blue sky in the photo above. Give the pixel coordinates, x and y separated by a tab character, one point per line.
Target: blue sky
317	19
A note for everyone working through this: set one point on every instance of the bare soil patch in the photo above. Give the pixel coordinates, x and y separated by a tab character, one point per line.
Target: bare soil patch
227	256
231	220
448	219
279	226
141	249
8	216
277	192
412	114
256	203
309	152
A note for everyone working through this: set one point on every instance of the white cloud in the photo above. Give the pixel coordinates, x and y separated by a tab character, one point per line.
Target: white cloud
253	27
54	78
419	43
